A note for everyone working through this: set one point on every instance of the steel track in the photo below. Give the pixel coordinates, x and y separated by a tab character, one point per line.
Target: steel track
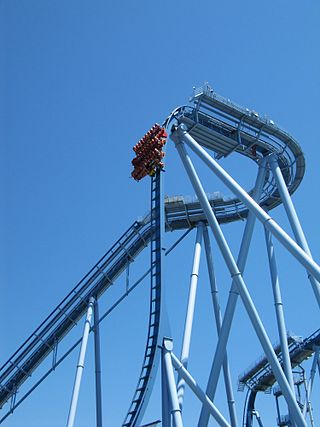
217	125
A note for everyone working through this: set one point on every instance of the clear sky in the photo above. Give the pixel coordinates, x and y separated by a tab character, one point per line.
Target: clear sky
80	83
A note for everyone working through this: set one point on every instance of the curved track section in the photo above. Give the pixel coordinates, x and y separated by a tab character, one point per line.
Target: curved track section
217	125
223	127
151	355
260	377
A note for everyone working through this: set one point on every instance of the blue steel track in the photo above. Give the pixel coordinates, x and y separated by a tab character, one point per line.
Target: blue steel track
218	125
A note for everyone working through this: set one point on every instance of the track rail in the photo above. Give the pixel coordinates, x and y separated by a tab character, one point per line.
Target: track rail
260	377
64	317
225	128
151	359
217	125
45	339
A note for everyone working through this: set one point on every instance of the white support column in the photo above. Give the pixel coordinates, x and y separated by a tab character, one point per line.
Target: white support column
80	365
279	310
165	404
293	218
172	390
190	311
218	319
97	358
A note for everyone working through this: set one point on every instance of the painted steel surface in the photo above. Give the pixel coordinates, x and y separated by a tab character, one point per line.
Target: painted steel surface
223	128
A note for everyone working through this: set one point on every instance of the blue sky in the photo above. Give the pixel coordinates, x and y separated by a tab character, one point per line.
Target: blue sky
80	82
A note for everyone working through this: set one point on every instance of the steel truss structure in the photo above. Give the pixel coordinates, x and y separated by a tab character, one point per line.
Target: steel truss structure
212	128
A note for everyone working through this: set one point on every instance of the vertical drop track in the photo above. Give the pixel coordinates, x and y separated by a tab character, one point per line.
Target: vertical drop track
152	352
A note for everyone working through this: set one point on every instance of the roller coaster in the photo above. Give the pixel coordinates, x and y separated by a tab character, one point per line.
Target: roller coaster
212	128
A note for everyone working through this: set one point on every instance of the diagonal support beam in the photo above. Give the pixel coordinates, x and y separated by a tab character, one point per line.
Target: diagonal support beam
293	218
218	319
253	206
191	382
80	365
233	296
170	383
